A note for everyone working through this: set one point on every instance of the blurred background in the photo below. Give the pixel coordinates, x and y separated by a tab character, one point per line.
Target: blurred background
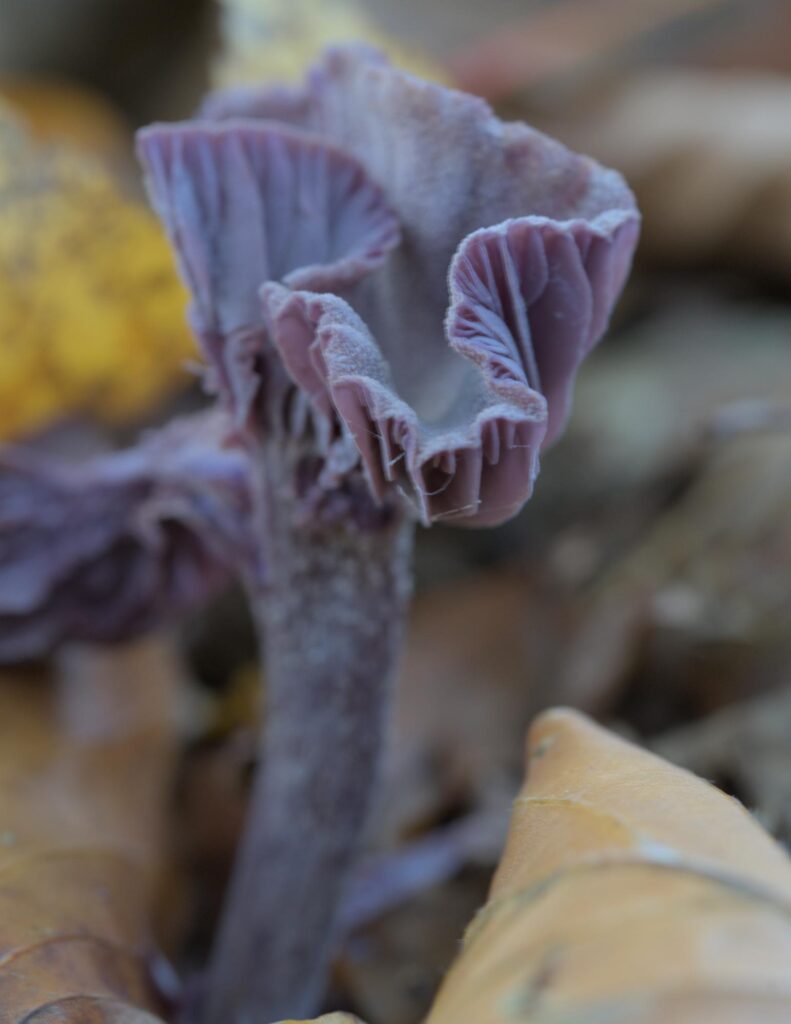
648	581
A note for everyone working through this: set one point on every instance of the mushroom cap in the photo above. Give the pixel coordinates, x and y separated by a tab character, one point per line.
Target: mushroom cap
429	277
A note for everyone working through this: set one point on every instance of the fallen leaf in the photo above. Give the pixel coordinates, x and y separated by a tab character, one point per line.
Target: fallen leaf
630	891
708	155
63	113
577	37
85	768
91	309
474	637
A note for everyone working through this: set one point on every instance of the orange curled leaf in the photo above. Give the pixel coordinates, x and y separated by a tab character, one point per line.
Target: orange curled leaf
84	769
630	892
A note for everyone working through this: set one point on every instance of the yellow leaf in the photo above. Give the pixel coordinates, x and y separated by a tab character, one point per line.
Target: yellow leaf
91	310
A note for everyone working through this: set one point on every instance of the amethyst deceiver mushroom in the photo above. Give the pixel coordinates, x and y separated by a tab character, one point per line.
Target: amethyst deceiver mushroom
106	549
393	291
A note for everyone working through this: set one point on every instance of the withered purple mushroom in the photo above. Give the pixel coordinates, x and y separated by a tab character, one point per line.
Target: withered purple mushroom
393	291
106	549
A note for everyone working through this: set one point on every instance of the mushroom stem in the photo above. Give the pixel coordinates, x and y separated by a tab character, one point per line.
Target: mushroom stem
331	614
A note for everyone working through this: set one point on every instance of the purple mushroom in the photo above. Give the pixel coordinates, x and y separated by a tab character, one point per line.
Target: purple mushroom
104	550
393	291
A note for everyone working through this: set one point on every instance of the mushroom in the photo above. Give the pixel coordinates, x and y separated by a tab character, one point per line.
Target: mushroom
104	550
326	233
318	228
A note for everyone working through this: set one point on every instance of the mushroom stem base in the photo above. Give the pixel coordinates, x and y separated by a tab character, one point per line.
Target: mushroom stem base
331	615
